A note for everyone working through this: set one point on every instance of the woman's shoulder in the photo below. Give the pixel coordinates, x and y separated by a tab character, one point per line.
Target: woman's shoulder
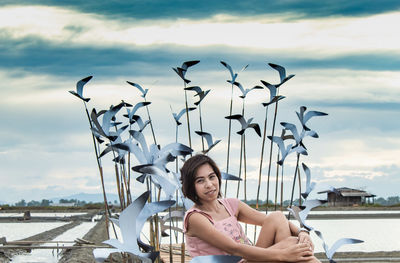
232	204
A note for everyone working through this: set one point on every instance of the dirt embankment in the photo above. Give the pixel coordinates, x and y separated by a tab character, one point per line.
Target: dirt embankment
85	255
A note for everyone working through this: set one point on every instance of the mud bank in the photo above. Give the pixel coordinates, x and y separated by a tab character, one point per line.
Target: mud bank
85	255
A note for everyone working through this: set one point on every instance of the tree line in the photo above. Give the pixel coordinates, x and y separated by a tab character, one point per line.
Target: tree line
390	201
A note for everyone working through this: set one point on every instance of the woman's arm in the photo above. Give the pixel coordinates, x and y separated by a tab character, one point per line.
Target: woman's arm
248	215
199	226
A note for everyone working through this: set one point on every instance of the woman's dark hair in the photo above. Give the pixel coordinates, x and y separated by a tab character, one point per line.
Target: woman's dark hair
188	175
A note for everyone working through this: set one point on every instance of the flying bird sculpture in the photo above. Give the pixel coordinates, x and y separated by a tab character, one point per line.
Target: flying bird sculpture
243	90
179	115
131	113
79	88
245	124
199	92
304	118
330	251
233	75
282	73
298	137
273	91
143	91
181	71
301	214
285	151
209	140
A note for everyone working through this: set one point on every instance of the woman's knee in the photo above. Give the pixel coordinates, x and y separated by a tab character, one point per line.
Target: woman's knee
277	217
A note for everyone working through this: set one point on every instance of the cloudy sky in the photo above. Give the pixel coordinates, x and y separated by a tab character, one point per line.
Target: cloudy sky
345	55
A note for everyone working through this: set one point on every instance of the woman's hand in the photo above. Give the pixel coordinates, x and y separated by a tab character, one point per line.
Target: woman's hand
297	252
304	237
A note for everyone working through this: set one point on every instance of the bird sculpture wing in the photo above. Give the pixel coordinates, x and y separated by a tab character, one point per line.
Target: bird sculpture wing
308	205
238	117
184	111
279	141
256	127
272	89
181	73
161	177
94	118
176	149
128	216
233	75
237	84
309	185
109	115
295	210
231	177
291	127
139	137
138	106
341	242
300	114
206	136
275	99
196	89
201	95
148	210
309	115
188	64
281	70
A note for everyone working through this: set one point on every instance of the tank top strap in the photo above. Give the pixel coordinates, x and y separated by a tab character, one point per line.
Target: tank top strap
231	204
190	212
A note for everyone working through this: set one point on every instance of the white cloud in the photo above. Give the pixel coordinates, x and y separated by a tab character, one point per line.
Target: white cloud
321	37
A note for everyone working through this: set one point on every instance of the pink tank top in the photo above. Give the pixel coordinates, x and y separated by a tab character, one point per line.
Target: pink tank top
228	226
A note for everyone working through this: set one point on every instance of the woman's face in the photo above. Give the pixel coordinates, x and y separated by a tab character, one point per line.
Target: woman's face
206	183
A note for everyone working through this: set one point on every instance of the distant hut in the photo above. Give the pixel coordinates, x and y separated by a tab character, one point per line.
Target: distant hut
345	196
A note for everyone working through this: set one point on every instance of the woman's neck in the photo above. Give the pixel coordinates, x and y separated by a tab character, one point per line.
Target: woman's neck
211	206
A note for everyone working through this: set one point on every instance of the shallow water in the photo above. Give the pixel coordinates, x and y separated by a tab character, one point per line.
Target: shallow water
50	255
16	231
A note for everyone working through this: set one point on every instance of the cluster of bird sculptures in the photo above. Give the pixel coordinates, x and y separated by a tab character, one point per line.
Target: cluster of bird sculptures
134	157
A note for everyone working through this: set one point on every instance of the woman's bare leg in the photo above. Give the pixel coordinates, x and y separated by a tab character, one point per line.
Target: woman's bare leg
275	232
275	228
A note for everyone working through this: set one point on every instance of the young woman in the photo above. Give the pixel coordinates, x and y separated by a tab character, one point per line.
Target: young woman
212	226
